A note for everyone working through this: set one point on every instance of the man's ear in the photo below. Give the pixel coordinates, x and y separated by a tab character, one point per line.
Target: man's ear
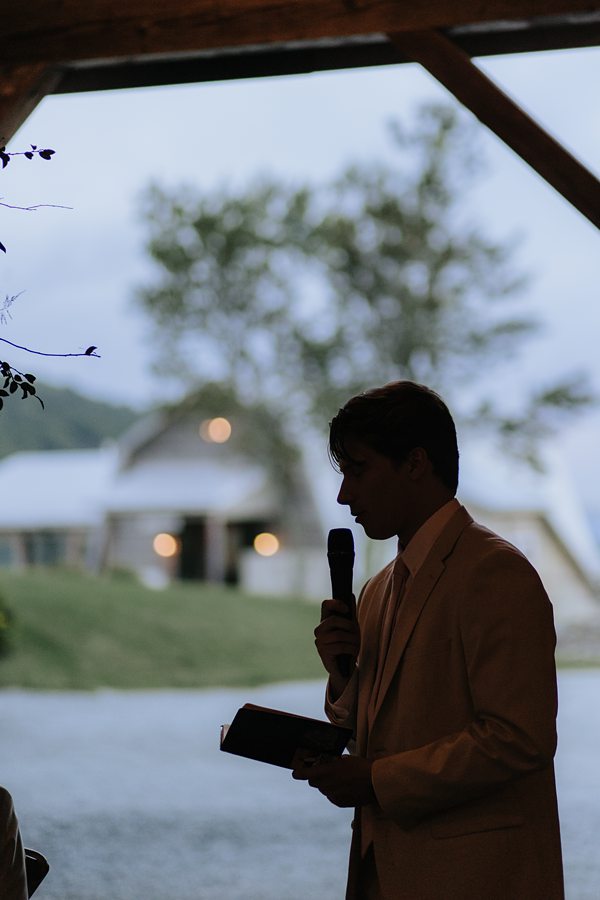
418	463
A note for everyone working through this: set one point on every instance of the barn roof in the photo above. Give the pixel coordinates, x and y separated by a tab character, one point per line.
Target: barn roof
501	484
52	489
56	489
232	489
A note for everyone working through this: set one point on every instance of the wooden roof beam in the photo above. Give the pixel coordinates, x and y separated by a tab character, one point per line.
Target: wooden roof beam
21	89
47	31
454	69
302	57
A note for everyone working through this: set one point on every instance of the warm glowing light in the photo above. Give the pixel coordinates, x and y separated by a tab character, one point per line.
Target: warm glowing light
215	431
165	545
266	544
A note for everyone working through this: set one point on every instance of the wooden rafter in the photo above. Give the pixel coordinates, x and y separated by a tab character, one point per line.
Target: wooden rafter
325	55
43	30
454	69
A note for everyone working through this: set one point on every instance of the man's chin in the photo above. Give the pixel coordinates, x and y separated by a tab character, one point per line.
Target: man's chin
376	534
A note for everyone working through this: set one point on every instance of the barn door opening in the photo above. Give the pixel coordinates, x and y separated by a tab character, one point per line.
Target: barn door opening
192	558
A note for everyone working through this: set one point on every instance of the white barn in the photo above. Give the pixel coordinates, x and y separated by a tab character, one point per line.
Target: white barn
103	509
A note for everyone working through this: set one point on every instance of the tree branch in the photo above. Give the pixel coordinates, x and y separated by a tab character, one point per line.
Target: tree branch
37	206
89	352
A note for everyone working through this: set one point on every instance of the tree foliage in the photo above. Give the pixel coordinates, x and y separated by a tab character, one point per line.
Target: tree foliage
302	296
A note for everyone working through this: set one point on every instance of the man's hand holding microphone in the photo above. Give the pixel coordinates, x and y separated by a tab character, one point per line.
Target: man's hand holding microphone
337	638
345	781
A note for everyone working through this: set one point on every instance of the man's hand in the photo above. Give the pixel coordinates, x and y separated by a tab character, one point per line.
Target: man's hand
345	780
336	635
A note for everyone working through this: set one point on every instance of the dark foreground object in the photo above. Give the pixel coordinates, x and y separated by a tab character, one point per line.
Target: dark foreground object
36	867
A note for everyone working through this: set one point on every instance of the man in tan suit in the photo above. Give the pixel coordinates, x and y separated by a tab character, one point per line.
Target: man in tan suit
453	696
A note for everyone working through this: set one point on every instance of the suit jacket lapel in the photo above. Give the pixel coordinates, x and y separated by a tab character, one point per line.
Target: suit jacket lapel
416	596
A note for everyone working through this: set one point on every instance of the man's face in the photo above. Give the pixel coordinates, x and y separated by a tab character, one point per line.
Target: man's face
379	492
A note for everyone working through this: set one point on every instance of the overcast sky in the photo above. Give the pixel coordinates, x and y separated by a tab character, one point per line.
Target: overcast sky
78	268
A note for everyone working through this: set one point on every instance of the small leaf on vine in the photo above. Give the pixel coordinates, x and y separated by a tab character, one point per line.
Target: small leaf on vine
28	154
34	146
2	247
89	351
30	378
46	154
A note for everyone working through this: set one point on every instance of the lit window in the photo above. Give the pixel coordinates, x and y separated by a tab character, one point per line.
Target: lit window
215	431
165	545
266	544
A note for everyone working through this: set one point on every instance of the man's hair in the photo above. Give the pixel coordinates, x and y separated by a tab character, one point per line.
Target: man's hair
393	420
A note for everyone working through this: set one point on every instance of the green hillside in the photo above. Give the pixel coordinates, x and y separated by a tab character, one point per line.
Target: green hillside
69	420
72	631
77	632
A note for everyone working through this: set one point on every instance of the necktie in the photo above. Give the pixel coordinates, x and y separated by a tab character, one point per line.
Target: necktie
400	576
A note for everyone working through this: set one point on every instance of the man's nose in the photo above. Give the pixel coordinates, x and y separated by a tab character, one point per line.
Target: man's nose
342	496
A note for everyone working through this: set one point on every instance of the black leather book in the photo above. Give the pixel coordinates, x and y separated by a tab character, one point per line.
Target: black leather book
281	738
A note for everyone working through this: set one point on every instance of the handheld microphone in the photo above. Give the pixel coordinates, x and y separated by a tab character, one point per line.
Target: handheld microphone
340	555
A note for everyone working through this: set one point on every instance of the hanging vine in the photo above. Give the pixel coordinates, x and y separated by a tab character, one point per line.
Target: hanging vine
14	381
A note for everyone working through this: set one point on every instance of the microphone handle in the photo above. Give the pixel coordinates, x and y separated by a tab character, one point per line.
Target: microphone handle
341	589
344	663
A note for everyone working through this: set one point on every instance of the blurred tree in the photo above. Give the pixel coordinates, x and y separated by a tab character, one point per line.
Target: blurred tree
301	297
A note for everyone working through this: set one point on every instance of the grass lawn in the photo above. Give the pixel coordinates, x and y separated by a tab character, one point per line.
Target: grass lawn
74	631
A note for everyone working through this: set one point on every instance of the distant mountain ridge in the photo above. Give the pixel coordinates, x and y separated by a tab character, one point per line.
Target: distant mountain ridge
68	421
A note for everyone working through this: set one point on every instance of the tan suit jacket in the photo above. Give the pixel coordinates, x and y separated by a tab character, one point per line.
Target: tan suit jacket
463	733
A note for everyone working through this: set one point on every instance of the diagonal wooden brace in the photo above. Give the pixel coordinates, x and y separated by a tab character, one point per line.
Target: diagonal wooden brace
453	68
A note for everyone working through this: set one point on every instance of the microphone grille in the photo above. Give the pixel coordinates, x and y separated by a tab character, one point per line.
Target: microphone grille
340	540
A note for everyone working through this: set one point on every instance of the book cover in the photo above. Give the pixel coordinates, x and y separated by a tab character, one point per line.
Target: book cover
276	737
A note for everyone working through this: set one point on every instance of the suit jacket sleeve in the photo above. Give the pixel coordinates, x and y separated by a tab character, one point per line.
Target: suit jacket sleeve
343	710
508	639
